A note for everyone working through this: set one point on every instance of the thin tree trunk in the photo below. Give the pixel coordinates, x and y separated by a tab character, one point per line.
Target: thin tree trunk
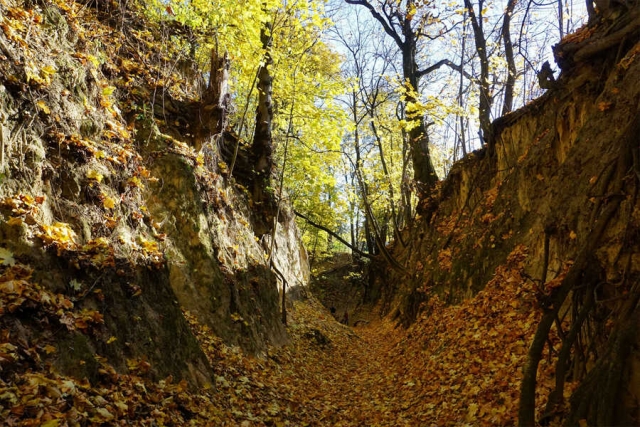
262	147
385	169
486	100
356	143
405	188
508	53
461	134
560	19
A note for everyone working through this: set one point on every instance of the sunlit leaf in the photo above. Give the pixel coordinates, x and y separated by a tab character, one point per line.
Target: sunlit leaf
43	107
93	174
6	257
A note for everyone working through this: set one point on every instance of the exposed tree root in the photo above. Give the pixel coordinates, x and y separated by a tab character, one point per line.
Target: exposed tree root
603	382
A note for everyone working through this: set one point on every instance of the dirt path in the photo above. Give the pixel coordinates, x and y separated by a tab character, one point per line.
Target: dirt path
456	366
352	380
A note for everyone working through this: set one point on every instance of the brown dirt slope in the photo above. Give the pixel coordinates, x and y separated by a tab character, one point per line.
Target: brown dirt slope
561	180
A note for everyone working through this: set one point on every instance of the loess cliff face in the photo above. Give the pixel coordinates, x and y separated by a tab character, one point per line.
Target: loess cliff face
560	181
111	222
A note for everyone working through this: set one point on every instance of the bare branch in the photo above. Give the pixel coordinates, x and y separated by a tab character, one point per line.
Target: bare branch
449	64
334	234
386	24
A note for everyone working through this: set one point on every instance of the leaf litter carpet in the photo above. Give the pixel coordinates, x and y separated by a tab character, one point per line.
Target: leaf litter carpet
456	366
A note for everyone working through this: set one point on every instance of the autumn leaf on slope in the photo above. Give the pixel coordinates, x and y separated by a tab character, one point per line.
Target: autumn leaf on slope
6	257
43	107
604	106
75	285
14	221
107	202
92	174
48	70
58	233
134	181
108	90
148	245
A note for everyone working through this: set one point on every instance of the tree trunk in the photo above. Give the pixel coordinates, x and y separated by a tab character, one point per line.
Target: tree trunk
486	100
423	171
215	101
507	106
262	147
264	201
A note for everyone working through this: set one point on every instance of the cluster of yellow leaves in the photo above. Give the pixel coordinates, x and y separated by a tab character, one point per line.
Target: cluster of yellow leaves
434	107
150	249
24	207
98	252
115	152
58	234
17	22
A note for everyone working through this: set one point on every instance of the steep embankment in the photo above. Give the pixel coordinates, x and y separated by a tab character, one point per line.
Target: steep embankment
559	184
111	222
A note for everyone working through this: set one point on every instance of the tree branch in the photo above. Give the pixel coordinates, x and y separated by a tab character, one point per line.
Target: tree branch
334	234
449	64
385	24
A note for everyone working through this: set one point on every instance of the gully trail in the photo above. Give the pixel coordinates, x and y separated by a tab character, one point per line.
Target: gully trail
456	365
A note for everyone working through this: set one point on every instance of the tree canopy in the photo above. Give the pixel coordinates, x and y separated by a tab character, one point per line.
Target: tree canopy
372	99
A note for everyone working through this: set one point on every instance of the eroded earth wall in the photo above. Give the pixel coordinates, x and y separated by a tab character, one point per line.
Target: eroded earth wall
111	222
560	181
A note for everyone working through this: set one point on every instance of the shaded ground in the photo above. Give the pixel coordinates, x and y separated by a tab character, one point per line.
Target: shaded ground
340	282
457	365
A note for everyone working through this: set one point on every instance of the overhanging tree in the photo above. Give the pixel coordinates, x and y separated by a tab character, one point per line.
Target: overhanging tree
409	23
401	21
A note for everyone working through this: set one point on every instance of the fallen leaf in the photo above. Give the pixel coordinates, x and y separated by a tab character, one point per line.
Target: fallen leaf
43	107
6	257
92	174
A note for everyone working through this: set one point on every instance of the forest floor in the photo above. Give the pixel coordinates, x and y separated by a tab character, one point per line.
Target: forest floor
457	365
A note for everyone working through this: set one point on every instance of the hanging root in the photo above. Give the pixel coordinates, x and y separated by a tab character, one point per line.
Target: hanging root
598	397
